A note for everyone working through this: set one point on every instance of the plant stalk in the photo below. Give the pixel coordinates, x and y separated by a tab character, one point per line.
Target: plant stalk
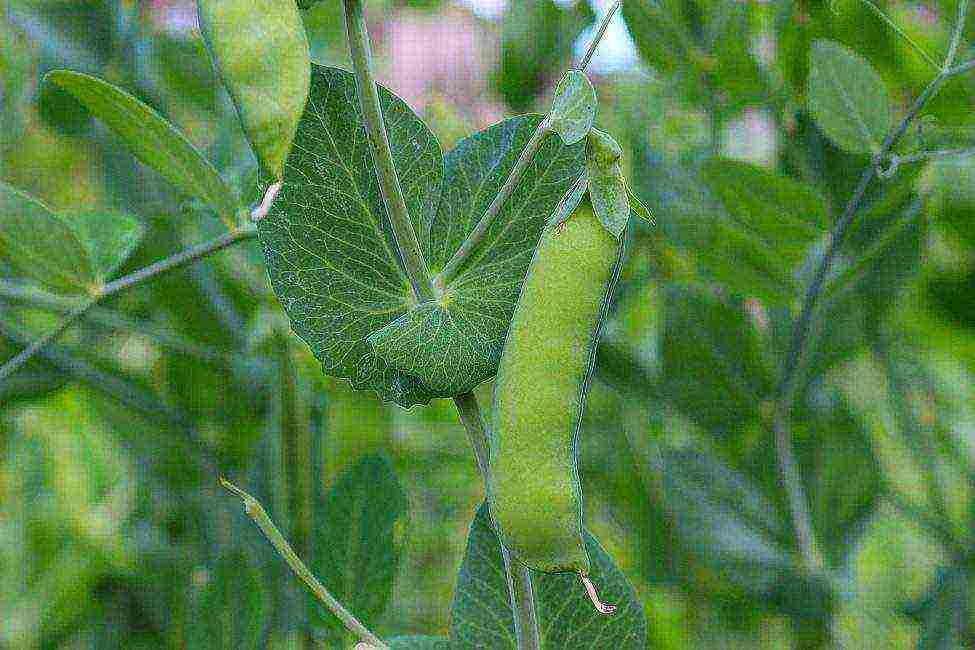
135	278
389	183
788	468
518	576
256	512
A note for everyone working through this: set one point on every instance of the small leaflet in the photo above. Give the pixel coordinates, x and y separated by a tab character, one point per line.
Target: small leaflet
574	108
607	187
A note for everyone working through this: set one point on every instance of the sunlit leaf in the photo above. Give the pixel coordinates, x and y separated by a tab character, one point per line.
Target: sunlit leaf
151	138
848	98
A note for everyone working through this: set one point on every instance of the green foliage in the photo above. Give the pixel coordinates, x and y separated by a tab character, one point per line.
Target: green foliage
481	611
574	108
359	536
848	98
151	138
338	274
747	137
261	51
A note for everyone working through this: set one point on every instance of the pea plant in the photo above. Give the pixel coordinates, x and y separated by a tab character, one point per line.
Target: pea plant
419	275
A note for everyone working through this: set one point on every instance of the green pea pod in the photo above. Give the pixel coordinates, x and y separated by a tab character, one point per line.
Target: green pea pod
260	49
546	366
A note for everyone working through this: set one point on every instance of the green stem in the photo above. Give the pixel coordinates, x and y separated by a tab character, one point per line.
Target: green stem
255	511
389	183
800	336
476	236
134	279
518	576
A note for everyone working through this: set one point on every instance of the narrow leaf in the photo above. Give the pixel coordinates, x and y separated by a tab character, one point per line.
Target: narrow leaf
151	138
848	98
607	187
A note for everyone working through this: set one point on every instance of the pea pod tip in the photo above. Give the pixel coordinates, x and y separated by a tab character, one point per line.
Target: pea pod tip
601	607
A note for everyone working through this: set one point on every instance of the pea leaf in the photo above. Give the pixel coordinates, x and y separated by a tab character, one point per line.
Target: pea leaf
110	237
574	108
229	610
39	377
261	51
481	611
151	138
333	265
773	221
42	245
359	542
607	187
847	98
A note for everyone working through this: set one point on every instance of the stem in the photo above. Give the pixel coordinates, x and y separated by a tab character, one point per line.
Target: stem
518	576
136	278
389	184
783	437
600	32
798	504
476	236
256	512
510	184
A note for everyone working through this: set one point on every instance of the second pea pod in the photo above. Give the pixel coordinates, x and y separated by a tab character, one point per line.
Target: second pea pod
534	490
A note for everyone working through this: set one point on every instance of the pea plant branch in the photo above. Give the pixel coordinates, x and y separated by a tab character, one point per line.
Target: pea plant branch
134	279
788	465
255	511
518	577
544	129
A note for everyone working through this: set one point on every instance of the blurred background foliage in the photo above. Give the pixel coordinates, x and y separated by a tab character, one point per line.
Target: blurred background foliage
113	532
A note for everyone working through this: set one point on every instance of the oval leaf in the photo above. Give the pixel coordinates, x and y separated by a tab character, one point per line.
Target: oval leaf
574	108
151	138
359	541
41	245
847	98
261	51
229	610
607	187
481	612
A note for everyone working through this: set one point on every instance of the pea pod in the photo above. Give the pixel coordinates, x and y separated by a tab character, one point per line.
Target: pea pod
261	52
546	366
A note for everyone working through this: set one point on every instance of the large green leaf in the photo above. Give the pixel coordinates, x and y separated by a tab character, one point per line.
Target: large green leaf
228	613
358	541
151	138
848	98
332	260
42	245
773	222
481	613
